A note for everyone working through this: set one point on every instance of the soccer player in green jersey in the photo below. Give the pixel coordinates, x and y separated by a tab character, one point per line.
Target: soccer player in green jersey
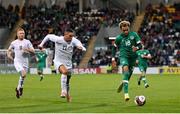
128	43
41	59
143	56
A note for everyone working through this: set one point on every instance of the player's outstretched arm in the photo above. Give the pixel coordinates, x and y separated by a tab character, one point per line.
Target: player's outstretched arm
81	48
79	45
48	37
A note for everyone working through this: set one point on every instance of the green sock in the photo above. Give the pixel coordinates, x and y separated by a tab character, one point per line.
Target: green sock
125	81
144	80
130	71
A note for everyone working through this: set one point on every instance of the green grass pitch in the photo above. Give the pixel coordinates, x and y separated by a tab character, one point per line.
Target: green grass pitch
90	94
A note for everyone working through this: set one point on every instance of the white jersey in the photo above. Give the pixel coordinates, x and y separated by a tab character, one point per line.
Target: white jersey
21	58
63	49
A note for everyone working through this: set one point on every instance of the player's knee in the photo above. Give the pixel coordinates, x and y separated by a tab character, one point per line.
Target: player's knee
64	72
23	75
125	68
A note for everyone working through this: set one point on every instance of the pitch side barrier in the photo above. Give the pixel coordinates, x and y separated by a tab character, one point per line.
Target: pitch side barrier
103	70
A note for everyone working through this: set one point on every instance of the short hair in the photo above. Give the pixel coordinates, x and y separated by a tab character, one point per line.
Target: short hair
124	22
20	29
69	30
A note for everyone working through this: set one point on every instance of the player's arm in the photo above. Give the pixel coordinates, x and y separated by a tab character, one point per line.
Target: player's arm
138	45
79	45
114	47
29	49
147	56
48	37
9	53
37	56
113	52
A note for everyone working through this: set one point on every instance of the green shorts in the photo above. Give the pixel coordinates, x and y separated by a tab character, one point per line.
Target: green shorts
127	61
142	68
40	67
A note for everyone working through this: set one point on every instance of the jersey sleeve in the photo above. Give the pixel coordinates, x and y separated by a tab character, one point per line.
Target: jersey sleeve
48	37
137	38
29	45
11	46
117	41
148	53
115	45
77	43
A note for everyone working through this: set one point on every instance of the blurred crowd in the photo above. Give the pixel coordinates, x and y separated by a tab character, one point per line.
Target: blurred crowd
160	33
9	16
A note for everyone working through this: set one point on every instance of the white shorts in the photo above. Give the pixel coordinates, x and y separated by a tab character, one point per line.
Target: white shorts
19	67
58	64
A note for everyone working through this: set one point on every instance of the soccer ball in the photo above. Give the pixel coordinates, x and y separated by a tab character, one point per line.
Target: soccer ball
140	100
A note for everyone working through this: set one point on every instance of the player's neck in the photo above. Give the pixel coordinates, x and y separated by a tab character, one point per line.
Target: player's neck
20	39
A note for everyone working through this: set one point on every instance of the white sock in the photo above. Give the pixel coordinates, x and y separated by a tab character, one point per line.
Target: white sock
63	82
21	82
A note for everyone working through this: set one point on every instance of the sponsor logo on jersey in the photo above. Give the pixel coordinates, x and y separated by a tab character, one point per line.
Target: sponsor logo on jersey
131	37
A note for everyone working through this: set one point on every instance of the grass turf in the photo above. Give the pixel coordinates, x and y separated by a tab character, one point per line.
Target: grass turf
90	94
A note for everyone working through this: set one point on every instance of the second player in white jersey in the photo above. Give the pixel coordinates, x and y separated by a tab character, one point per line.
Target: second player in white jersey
63	56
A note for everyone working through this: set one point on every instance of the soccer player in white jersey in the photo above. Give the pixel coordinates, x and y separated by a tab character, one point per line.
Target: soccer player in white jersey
63	57
21	47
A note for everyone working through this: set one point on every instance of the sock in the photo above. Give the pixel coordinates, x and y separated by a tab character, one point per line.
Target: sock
130	72
140	78
68	83
21	82
144	80
126	75
64	82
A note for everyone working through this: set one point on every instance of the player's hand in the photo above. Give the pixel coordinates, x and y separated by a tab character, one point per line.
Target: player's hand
134	48
137	61
81	48
113	59
26	50
40	47
142	56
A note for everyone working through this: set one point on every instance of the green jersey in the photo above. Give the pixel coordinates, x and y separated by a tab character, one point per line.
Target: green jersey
126	42
142	61
41	58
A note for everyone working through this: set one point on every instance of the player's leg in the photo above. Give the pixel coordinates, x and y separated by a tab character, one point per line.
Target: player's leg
40	73
126	76
121	85
63	70
143	77
140	76
65	82
22	70
19	89
68	87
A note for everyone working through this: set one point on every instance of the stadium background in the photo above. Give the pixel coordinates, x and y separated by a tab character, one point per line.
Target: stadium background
96	25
